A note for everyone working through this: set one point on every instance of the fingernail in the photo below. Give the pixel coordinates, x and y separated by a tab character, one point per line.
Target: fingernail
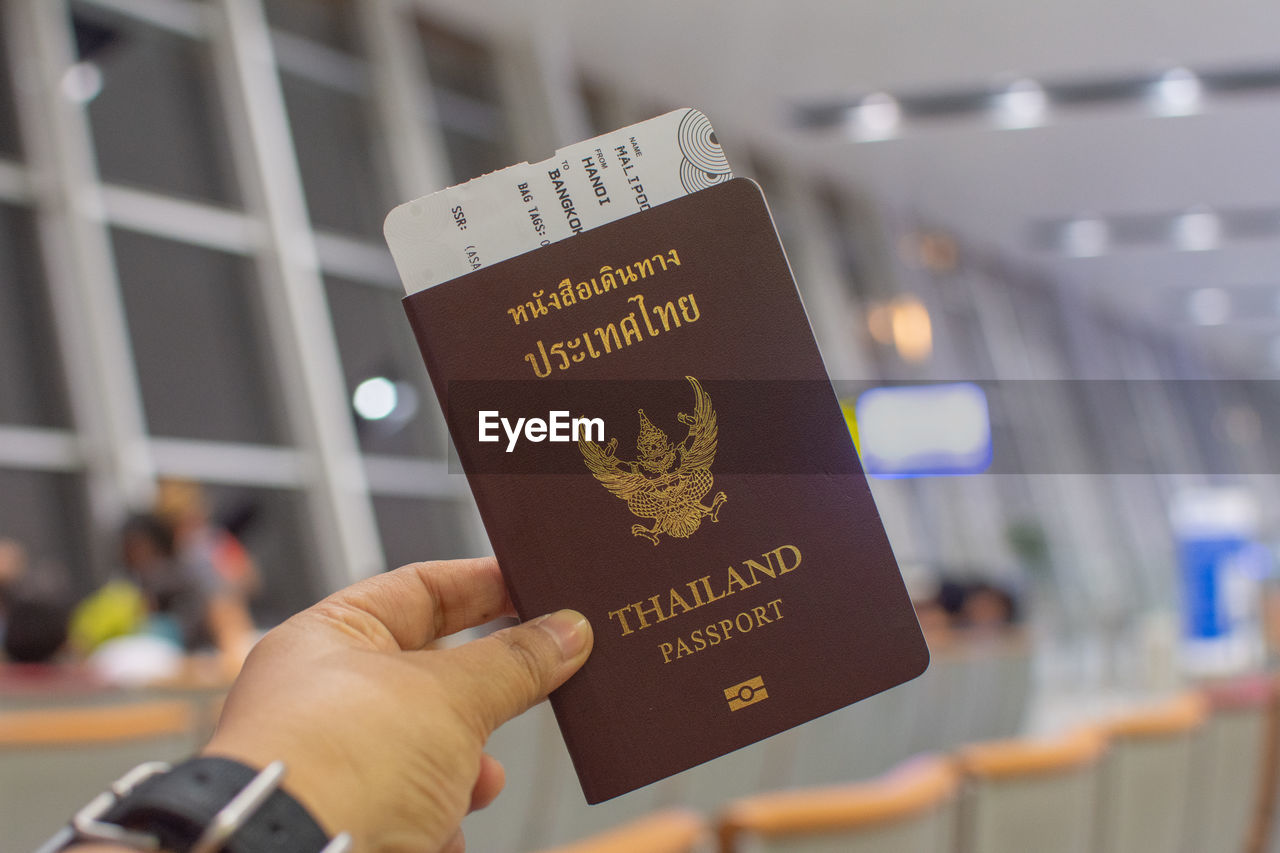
569	628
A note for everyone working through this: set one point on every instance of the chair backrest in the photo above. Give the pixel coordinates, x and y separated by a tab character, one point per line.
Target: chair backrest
1264	834
1006	688
560	812
977	688
1030	794
856	742
1230	761
741	773
34	685
670	831
1146	777
54	760
965	695
908	810
932	697
517	819
202	681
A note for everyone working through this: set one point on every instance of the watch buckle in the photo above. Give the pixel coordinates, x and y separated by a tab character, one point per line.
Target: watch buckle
88	821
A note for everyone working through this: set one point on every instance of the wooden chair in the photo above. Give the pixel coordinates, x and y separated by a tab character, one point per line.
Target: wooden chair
1229	764
1030	794
671	831
977	688
519	818
742	773
203	681
935	696
569	817
33	685
1007	688
1263	835
54	760
908	810
857	742
1145	790
542	804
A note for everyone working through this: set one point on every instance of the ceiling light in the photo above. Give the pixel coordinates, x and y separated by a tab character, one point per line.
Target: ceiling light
82	82
1178	92
1023	104
877	116
1209	306
1197	231
1085	238
375	398
912	329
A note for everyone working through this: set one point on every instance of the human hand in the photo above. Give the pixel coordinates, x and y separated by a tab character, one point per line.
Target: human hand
384	738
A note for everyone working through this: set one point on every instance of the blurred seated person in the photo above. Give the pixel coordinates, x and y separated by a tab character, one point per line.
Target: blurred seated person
35	628
33	611
177	593
181	503
165	597
381	734
926	597
988	607
970	606
934	620
13	565
13	568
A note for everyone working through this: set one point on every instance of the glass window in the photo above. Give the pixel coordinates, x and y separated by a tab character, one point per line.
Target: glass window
468	100
771	180
596	103
416	529
196	341
47	514
471	156
331	23
974	361
270	523
341	165
158	120
1108	400
374	340
31	390
861	242
1205	406
457	63
1040	321
10	144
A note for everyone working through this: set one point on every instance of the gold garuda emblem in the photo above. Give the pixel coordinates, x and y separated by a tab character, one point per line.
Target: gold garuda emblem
666	482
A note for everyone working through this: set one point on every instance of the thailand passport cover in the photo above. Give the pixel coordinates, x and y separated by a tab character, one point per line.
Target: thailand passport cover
651	438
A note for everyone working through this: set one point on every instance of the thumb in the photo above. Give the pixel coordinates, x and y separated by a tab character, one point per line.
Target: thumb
504	674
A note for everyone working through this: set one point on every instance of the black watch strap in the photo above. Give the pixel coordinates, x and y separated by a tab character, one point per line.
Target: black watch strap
176	807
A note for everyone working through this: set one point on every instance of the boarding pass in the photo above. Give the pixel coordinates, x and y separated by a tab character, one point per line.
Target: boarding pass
450	233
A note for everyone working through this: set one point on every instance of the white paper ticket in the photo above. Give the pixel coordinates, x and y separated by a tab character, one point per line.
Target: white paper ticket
515	210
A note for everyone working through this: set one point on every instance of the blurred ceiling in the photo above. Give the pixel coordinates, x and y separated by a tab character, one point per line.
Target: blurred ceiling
750	65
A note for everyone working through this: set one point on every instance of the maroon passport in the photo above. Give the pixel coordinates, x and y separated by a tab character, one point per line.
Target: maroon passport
716	528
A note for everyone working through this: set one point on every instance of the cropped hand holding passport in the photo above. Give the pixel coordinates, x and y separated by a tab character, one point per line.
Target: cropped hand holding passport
716	527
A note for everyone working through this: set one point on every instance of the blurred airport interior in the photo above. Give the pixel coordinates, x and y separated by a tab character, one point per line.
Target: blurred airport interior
1039	245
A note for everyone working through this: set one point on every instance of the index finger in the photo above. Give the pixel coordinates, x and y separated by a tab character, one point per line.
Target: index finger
415	604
